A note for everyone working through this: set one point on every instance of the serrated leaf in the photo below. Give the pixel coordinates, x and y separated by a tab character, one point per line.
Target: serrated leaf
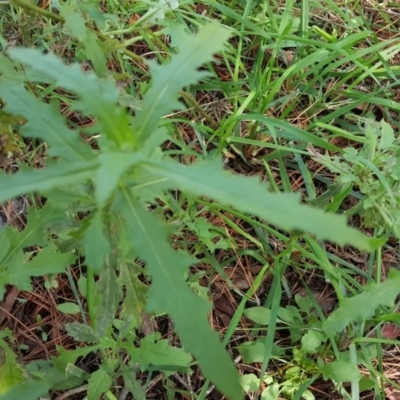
44	121
32	180
95	243
260	315
81	332
109	296
94	52
34	233
341	371
98	97
362	306
169	293
180	72
135	294
207	178
44	370
74	21
47	261
134	387
99	383
11	373
15	268
158	352
67	357
11	72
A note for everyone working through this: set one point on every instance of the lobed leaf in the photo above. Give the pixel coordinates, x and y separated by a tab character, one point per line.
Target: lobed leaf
169	293
74	21
158	352
98	97
15	268
207	178
181	71
56	175
11	372
47	261
44	121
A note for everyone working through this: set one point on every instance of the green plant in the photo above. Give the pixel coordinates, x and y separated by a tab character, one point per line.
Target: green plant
95	203
319	347
373	170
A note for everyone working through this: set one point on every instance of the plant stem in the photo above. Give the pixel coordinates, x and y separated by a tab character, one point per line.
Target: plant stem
31	7
190	99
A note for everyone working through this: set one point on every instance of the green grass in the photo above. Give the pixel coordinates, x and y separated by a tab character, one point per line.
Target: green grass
296	83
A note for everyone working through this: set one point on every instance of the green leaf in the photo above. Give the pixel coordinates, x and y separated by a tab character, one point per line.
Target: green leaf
134	386
271	392
112	166
45	371
47	261
362	306
95	244
15	265
341	371
109	296
76	24
311	340
32	180
290	314
254	352
68	308
34	232
98	97
99	383
158	352
260	315
27	391
250	382
387	136
44	121
169	293
181	71
249	195
11	373
81	332
94	52
67	357
135	299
